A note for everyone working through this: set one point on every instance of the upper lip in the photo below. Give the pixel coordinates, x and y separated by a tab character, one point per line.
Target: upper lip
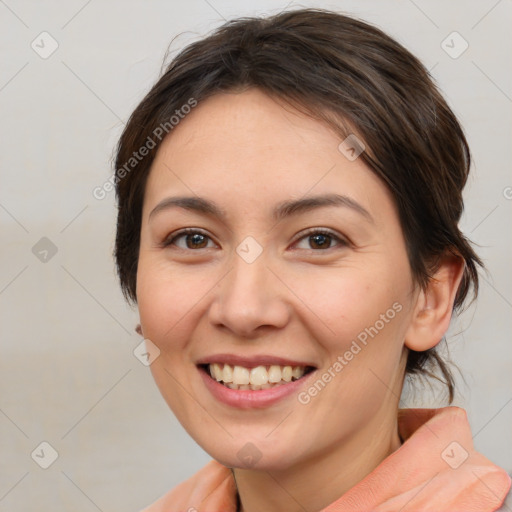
251	361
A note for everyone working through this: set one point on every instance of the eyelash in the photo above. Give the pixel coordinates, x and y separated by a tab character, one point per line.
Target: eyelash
341	242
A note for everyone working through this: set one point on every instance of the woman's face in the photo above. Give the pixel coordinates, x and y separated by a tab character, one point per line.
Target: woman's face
294	257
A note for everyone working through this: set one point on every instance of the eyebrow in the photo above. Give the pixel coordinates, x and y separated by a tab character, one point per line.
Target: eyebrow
281	211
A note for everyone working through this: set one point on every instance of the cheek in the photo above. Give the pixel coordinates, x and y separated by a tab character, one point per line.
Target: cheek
367	315
169	302
347	304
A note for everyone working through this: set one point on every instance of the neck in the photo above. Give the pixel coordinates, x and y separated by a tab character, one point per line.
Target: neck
320	480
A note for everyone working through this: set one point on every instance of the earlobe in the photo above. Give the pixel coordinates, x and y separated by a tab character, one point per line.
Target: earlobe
434	306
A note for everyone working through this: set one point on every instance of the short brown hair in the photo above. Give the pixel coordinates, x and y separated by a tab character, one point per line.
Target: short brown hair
347	73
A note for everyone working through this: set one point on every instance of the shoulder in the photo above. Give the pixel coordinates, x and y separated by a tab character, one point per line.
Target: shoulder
211	488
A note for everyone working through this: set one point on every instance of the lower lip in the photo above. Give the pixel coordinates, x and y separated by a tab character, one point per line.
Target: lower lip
251	399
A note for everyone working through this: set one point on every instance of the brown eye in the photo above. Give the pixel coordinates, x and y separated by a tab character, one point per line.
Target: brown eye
196	241
319	240
190	239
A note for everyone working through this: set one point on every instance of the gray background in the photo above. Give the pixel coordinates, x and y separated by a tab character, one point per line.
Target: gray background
68	375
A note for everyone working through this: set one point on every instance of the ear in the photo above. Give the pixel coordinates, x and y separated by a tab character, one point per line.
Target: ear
434	306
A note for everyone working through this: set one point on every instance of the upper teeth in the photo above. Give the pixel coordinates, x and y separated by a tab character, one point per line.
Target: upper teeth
258	376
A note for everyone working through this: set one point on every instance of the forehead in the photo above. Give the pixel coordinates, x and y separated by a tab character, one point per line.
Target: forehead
250	148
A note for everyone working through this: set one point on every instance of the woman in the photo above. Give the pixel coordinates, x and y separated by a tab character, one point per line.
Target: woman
289	193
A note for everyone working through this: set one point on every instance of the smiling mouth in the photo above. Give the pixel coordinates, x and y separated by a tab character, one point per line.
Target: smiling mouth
257	378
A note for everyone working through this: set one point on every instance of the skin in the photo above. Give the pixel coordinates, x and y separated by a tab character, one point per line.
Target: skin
298	299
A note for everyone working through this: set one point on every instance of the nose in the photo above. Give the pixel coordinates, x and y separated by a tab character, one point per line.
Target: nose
250	299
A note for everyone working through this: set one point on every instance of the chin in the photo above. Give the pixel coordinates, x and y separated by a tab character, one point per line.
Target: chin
252	453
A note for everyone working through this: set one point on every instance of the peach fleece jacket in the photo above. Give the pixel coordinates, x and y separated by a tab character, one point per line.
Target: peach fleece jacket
436	469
